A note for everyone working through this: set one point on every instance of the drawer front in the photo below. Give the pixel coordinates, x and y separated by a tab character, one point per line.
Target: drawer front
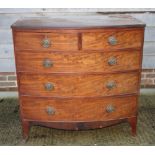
78	109
78	85
112	40
77	62
46	41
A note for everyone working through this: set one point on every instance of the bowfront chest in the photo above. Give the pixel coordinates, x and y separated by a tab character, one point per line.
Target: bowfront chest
79	73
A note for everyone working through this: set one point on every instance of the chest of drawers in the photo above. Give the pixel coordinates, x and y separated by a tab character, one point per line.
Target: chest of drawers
80	73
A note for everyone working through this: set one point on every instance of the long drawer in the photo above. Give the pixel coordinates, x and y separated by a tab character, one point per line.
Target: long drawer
100	109
46	41
78	85
48	62
112	39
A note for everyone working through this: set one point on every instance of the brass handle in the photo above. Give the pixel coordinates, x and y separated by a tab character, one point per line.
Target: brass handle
111	84
112	61
49	86
110	108
46	43
47	63
112	40
50	110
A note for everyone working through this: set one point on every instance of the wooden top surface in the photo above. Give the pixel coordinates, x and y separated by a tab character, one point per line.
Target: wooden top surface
78	22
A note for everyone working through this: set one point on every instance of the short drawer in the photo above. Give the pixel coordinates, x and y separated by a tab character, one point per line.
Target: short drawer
78	85
49	62
46	41
112	39
90	109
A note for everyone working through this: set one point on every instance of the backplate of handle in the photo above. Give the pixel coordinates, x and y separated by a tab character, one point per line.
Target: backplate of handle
50	110
49	86
46	43
47	63
111	85
110	108
112	61
112	40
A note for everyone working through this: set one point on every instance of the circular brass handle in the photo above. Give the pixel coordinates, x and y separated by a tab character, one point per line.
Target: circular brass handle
46	43
47	63
110	108
112	61
112	40
49	86
111	84
50	110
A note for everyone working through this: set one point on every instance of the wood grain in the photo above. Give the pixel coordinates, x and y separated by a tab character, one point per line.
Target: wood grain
125	39
77	61
59	41
78	109
80	73
78	85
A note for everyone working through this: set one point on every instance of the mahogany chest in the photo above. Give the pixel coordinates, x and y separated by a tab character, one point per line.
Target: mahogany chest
78	73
